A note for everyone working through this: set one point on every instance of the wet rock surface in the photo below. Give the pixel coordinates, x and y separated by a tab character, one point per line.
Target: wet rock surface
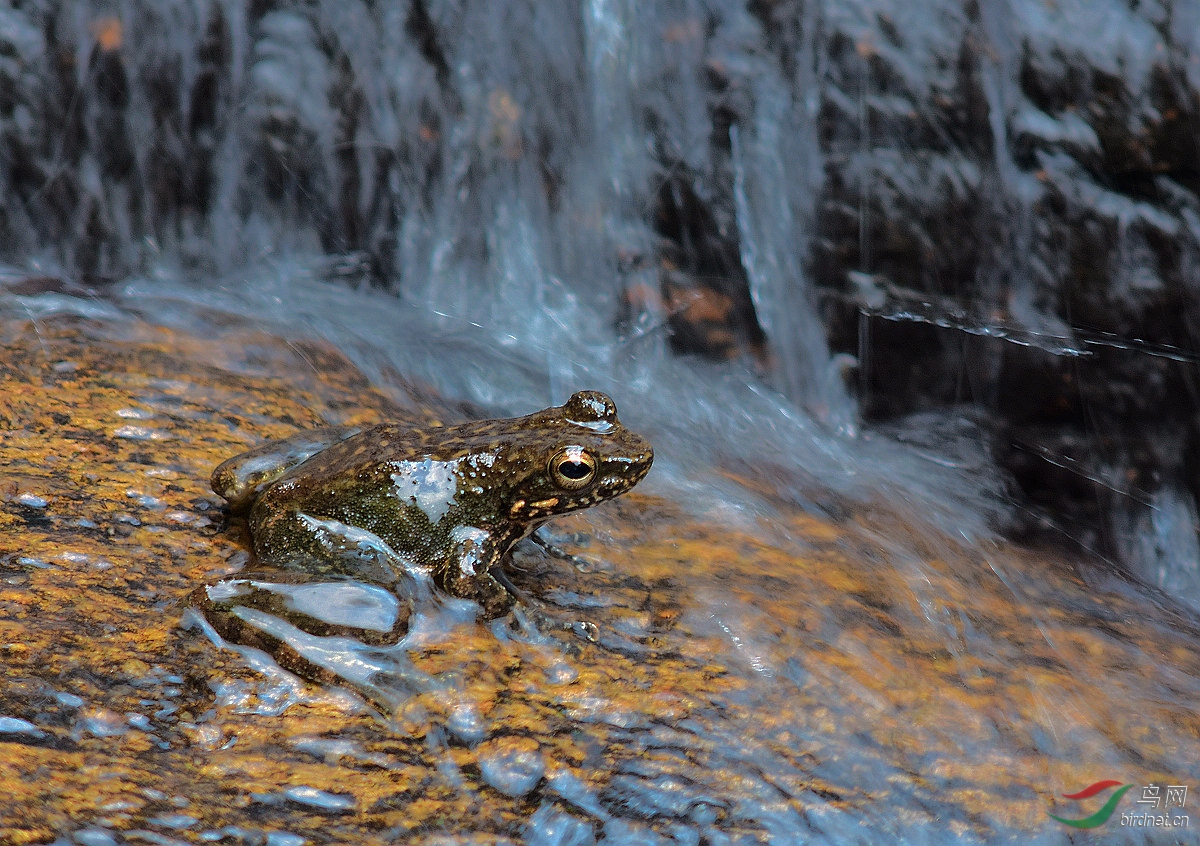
728	677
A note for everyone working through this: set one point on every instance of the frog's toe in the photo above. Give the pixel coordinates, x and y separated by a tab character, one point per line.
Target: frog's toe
492	596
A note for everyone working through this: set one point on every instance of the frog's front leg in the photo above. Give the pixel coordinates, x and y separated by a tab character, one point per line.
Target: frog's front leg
475	555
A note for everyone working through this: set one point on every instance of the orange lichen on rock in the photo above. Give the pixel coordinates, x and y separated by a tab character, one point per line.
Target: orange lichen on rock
682	667
108	33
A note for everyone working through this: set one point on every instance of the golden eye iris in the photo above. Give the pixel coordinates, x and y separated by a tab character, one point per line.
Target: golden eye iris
572	468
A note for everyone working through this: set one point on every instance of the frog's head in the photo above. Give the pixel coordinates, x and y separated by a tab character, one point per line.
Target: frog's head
583	456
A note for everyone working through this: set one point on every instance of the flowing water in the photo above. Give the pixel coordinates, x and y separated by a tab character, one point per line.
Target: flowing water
491	166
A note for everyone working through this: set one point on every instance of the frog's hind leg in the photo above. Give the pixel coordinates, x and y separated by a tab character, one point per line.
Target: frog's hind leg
292	539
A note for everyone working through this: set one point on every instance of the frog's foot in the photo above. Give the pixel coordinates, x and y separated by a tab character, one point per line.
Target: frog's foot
555	551
482	588
535	620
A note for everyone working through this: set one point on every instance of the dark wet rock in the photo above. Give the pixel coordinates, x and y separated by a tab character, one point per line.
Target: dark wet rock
1028	181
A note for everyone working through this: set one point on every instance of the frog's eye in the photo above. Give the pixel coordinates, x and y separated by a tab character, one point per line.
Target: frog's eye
572	468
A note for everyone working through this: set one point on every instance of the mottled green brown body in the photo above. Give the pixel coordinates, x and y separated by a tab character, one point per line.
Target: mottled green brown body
452	499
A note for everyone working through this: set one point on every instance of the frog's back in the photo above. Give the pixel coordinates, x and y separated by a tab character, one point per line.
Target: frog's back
380	448
363	452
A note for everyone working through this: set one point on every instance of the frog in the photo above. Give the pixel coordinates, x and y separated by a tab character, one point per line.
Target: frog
451	500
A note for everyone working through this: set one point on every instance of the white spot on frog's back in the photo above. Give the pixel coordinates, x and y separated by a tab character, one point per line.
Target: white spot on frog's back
476	461
428	484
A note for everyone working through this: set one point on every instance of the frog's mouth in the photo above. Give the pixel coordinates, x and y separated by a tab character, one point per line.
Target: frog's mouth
616	476
629	470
